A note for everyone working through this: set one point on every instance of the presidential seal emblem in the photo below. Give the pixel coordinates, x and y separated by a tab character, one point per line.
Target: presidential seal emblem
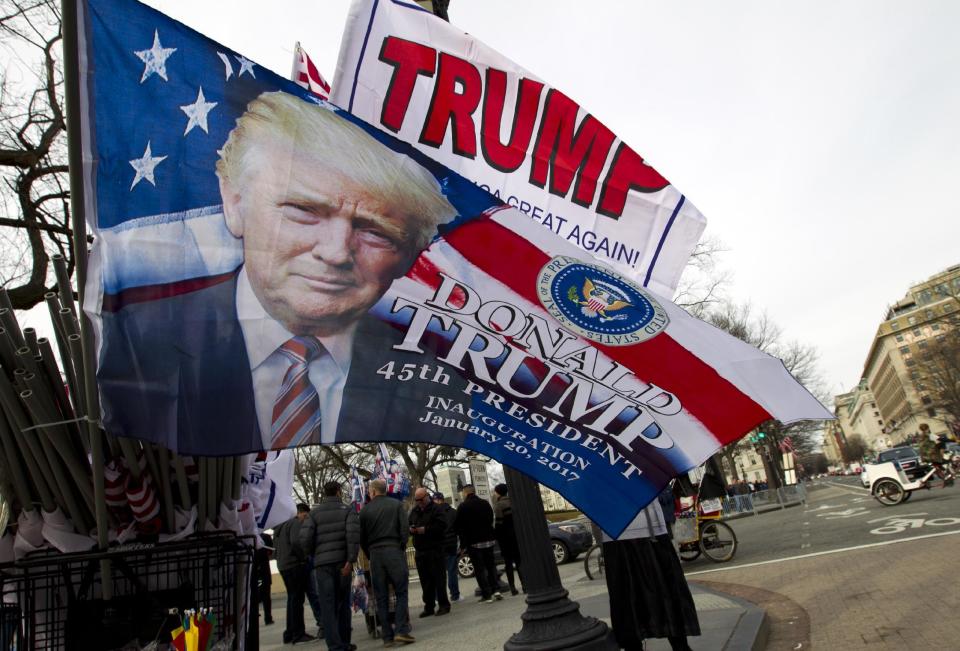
598	303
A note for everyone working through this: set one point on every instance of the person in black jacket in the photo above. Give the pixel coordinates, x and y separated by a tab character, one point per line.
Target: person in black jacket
263	577
506	534
384	531
332	533
292	563
450	554
428	528
475	529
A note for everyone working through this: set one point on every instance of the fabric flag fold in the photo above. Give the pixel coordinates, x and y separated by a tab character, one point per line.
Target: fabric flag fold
446	315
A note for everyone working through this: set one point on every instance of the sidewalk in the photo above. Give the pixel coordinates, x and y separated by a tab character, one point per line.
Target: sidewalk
727	623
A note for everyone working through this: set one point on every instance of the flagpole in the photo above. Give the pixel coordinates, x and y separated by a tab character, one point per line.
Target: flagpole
70	17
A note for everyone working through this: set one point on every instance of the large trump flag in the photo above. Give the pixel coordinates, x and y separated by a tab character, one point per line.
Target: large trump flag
461	102
270	271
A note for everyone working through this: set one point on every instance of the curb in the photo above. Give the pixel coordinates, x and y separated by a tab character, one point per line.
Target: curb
753	628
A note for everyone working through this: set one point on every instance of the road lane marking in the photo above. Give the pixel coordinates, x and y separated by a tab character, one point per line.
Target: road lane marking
859	488
824	553
895	517
804	545
898	525
848	513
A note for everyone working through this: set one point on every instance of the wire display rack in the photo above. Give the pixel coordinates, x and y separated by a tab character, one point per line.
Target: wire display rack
55	601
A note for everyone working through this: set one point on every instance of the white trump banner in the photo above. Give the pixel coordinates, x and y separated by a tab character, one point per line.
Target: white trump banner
482	115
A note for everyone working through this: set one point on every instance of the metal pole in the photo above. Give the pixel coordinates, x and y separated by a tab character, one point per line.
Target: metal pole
71	22
552	620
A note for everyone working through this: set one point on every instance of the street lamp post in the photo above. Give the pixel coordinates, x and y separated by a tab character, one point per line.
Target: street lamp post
552	620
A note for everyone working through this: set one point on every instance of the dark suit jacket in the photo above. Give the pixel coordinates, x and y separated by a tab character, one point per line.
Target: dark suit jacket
174	370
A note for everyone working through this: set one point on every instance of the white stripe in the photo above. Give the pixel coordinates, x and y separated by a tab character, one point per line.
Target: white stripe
694	442
825	553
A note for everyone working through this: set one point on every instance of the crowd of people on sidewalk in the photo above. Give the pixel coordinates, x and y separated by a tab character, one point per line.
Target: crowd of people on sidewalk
318	549
316	552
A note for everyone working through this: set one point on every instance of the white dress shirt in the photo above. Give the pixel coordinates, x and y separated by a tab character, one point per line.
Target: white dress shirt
263	335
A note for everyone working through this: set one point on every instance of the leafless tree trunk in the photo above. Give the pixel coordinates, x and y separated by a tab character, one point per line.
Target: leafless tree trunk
34	189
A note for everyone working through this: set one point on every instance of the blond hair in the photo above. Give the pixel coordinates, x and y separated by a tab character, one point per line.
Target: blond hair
347	149
378	486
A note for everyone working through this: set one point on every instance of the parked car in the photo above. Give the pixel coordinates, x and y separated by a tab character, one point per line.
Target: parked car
864	478
907	458
568	539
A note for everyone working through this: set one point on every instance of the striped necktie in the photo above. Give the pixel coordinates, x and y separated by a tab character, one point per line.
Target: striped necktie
296	411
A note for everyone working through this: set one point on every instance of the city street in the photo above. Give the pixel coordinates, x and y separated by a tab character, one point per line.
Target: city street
860	575
839	514
843	571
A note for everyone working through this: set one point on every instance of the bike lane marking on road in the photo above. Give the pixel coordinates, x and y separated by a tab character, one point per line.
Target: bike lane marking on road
895	517
901	524
847	513
826	552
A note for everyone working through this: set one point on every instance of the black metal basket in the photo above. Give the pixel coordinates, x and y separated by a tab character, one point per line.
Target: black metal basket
55	601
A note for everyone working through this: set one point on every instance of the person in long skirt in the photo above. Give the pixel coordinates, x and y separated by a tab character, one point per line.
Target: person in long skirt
649	596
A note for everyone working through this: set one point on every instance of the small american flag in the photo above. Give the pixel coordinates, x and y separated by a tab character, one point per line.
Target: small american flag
305	74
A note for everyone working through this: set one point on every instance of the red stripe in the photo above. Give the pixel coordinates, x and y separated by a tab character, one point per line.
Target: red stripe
115	302
305	413
713	400
294	387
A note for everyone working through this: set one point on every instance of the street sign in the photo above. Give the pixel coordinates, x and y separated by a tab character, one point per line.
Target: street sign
478	477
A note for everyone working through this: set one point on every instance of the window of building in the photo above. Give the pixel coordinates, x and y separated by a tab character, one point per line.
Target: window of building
916	332
905	350
912	320
893	325
948	307
926	400
876	413
879	422
928	314
925	297
922	344
910	362
935	326
899	338
914	375
931	412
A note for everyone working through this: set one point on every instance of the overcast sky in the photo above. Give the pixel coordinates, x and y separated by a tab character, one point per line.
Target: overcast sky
821	140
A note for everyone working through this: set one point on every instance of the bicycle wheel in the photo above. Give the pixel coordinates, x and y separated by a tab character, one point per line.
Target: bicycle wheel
593	563
888	492
689	551
718	541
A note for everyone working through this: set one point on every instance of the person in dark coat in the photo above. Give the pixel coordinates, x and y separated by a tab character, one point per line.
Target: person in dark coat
384	531
474	526
506	534
450	547
332	533
292	563
428	528
648	592
264	578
